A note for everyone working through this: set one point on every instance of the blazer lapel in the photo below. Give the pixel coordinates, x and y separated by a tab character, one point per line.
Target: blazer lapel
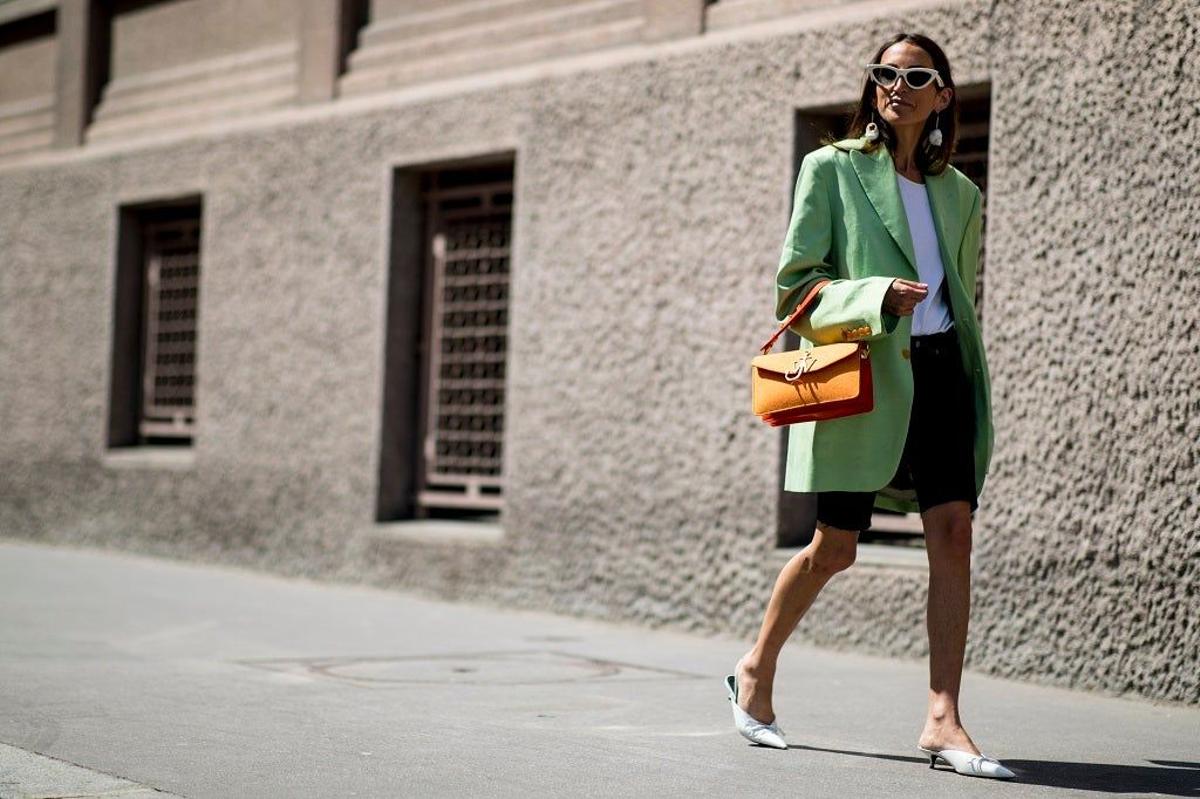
877	174
947	217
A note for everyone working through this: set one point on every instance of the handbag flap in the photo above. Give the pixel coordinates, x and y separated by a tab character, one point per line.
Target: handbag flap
821	357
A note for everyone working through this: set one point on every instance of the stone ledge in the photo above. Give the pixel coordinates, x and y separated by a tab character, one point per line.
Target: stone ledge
874	555
908	523
439	531
177	458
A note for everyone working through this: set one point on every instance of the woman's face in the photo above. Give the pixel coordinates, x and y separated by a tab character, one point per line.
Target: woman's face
901	105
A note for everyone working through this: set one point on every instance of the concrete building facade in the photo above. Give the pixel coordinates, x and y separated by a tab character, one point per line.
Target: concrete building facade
460	297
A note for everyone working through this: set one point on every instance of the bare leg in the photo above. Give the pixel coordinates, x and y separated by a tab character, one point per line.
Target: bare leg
798	584
948	542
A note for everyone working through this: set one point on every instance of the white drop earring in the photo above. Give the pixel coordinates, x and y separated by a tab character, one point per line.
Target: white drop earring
872	132
935	135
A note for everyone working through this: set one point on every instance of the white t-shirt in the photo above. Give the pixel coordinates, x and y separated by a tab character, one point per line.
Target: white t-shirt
932	314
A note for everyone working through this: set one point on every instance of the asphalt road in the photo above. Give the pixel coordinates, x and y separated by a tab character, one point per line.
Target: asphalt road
128	676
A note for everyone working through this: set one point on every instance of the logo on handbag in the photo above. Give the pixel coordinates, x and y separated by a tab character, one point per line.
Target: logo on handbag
799	367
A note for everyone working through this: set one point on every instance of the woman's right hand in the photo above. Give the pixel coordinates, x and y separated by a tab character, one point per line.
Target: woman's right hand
903	295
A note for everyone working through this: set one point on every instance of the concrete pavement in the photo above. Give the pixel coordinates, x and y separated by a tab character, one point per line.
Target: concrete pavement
130	676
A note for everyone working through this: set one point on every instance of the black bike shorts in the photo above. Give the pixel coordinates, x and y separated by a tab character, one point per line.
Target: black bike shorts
939	450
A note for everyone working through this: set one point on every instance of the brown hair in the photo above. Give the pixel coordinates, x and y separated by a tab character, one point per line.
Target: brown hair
929	159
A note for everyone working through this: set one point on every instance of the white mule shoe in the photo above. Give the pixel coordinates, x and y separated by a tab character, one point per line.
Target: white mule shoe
972	765
750	727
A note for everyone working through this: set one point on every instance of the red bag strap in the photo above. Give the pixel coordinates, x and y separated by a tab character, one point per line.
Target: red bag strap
808	300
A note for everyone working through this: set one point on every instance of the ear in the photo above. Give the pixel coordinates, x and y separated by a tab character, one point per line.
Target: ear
944	97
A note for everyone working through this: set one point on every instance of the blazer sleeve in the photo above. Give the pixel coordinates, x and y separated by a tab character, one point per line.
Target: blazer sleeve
968	251
846	309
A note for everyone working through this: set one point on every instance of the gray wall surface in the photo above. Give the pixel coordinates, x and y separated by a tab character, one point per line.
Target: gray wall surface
149	37
27	65
653	188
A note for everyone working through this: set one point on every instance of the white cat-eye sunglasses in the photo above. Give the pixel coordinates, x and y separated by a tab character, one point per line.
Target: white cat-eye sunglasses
916	77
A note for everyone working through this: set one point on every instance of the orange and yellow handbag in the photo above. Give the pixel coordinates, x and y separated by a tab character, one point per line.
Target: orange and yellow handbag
825	382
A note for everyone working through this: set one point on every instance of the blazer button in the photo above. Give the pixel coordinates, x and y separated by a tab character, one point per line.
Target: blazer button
904	353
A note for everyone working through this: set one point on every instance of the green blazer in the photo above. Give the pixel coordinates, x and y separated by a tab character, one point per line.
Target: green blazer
848	223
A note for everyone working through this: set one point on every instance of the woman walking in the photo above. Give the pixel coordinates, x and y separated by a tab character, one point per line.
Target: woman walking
896	229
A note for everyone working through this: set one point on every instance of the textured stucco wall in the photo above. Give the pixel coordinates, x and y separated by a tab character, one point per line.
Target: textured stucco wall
652	198
1092	560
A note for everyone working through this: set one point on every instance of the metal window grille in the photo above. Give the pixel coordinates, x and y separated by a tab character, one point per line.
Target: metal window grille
172	259
466	334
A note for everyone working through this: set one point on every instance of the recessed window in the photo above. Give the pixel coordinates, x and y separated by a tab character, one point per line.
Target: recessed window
443	455
153	398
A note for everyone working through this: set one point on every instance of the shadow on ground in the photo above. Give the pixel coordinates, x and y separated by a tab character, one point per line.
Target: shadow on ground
1166	777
